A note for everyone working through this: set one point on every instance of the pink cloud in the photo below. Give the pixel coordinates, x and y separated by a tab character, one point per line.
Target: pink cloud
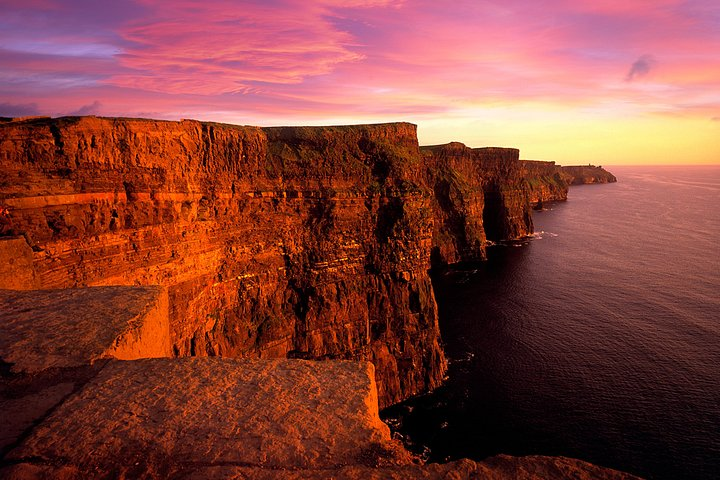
323	58
224	47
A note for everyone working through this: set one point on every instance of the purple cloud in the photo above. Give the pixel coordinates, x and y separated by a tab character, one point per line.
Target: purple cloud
640	67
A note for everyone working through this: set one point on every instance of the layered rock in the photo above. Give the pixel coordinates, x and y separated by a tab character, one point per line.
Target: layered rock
586	174
306	242
300	242
479	196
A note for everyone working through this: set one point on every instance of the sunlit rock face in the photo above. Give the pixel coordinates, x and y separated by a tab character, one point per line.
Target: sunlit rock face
299	242
304	242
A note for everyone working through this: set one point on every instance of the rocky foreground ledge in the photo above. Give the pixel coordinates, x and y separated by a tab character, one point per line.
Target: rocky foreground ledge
72	409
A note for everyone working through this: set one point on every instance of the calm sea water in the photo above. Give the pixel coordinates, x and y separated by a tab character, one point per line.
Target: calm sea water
599	339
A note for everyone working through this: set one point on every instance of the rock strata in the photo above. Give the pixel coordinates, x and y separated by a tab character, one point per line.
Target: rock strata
304	242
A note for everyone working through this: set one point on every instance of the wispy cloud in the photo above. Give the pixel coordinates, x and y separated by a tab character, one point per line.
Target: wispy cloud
219	46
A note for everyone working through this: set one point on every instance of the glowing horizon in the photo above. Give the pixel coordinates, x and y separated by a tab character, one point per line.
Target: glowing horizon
604	82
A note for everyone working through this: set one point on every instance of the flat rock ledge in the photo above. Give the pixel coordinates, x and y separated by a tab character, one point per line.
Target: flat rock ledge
76	405
41	329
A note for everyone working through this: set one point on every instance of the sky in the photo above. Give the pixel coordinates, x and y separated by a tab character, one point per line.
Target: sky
575	81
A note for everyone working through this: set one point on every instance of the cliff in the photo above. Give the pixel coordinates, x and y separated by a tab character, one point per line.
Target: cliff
282	242
278	242
479	196
208	240
546	181
586	174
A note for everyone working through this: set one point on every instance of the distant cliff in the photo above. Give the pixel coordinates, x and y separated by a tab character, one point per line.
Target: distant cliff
585	174
304	242
547	181
479	196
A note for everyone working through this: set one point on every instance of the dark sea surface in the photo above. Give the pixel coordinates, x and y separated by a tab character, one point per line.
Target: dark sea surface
598	339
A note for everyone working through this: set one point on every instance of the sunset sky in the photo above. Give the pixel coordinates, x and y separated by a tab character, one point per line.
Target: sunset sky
605	81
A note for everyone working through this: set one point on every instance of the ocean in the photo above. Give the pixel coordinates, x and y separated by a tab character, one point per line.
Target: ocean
598	338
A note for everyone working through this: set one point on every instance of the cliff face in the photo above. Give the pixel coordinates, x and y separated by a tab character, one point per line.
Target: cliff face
585	174
279	242
299	242
546	181
479	195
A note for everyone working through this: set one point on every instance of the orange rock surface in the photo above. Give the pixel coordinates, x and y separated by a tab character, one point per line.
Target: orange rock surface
43	329
256	419
162	416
